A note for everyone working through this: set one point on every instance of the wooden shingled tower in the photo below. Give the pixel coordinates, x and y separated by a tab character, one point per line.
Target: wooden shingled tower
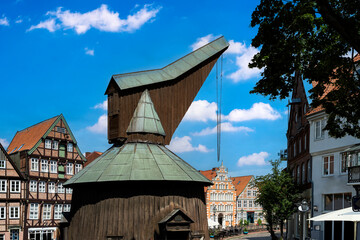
139	189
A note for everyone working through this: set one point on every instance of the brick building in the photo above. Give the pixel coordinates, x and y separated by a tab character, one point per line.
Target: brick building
47	155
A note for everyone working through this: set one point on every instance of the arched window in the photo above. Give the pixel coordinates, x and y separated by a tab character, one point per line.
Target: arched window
308	170
298	174
303	173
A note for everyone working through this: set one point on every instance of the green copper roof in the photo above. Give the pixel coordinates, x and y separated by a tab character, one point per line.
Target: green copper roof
138	162
145	119
173	70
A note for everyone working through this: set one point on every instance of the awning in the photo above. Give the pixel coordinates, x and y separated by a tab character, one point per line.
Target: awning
346	214
212	223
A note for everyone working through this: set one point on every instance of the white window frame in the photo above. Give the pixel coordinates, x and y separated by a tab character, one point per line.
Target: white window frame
60	188
57	211
70	147
48	144
78	168
44	165
51	187
55	145
3	185
250	203
69	190
42	186
16	184
2	163
34	211
328	165
70	169
2	212
319	129
34	164
46	212
53	166
33	186
245	203
66	207
14	212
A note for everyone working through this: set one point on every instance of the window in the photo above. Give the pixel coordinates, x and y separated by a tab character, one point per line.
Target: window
2	237
303	173
69	190
70	147
47	211
51	187
245	203
308	170
328	166
55	145
337	201
249	193
77	168
34	209
319	129
254	193
44	165
298	174
294	149
61	188
48	143
305	141
2	212
41	186
300	140
69	168
14	212
2	163
66	208
2	185
33	186
250	203
60	130
53	166
34	164
57	211
239	203
15	186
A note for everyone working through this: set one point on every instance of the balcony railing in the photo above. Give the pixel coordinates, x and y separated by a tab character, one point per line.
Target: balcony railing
354	174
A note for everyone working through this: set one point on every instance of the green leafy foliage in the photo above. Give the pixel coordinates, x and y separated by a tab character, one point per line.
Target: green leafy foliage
313	38
278	196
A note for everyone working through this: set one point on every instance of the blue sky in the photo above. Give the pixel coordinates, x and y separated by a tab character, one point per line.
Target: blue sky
58	57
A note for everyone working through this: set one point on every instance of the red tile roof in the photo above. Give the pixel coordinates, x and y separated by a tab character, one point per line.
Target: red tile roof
328	89
240	183
30	136
92	156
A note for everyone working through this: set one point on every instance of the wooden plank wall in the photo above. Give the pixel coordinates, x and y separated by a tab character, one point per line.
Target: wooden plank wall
133	216
171	100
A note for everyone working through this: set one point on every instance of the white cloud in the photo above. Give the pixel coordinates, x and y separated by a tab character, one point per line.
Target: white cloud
225	127
201	110
89	51
49	24
258	110
236	47
203	41
4	21
244	72
253	159
103	105
19	20
101	18
183	144
4	142
100	126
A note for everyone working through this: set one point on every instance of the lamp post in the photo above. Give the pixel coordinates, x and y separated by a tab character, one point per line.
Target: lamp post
304	207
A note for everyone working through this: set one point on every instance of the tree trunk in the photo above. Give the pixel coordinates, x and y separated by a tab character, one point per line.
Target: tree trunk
271	231
281	229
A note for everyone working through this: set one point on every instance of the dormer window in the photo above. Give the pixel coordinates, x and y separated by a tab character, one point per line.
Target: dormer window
48	143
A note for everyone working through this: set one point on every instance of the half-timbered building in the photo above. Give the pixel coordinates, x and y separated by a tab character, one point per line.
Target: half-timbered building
12	196
48	155
143	190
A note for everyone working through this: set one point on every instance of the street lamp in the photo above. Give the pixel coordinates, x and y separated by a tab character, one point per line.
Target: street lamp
304	207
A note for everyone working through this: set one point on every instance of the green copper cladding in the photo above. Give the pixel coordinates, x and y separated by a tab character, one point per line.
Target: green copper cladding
173	70
145	119
138	162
